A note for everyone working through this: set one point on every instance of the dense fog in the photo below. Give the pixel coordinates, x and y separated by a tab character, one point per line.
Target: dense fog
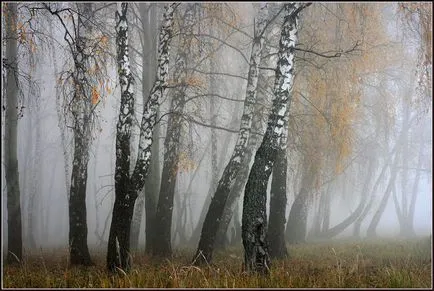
359	129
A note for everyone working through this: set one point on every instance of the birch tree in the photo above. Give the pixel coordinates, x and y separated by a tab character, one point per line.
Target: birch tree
254	218
81	89
216	208
128	186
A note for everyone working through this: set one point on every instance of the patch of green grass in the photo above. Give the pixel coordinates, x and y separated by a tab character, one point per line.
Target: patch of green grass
341	264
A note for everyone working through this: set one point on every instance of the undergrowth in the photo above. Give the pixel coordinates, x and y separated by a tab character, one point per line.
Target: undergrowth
342	264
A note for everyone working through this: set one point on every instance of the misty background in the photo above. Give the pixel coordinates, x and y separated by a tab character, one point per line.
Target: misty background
381	107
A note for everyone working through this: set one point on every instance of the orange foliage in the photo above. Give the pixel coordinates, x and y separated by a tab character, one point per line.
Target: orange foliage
185	163
95	95
334	85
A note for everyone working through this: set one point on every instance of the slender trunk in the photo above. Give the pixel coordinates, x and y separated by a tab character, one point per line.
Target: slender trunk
236	233
148	198
241	180
358	222
33	165
327	209
15	241
406	218
197	230
410	218
225	184
162	237
371	232
337	229
254	220
321	218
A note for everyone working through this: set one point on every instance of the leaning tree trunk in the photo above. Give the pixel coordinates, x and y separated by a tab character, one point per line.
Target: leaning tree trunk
241	180
371	232
296	226
406	218
276	225
15	240
410	217
322	218
211	190
215	211
254	219
337	229
126	187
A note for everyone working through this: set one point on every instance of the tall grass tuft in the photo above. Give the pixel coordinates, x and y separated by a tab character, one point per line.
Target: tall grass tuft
339	264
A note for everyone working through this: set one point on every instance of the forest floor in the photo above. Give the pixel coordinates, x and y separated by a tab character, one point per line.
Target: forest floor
339	264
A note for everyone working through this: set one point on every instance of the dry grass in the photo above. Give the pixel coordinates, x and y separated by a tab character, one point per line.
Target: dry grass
367	264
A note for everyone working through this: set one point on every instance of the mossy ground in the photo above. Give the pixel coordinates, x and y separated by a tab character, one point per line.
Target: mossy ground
341	264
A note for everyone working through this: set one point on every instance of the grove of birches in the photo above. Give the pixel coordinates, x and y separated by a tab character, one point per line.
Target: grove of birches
204	125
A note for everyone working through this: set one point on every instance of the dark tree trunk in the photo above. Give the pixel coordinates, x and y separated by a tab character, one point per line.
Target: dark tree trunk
162	237
79	252
276	225
254	220
297	221
15	240
197	230
118	255
296	226
152	188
